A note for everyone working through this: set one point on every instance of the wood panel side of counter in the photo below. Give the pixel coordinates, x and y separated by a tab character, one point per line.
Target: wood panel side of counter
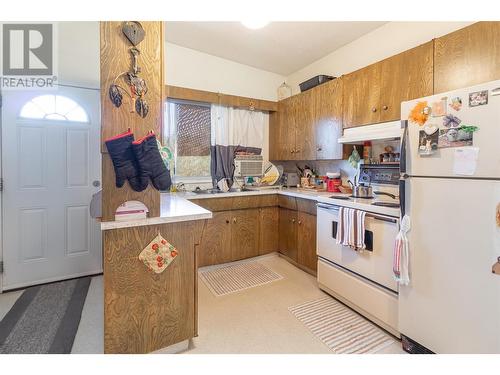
115	59
145	311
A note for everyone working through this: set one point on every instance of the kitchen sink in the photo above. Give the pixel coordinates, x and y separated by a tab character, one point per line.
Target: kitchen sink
217	191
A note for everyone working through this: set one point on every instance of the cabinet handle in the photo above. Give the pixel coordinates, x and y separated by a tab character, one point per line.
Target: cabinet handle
385	108
300	222
292	151
297	151
374	109
227	221
319	148
234	220
293	221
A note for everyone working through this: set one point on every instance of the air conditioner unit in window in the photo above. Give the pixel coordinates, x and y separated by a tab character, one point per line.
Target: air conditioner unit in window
248	165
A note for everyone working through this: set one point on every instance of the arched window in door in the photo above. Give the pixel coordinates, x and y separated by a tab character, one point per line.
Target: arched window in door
54	107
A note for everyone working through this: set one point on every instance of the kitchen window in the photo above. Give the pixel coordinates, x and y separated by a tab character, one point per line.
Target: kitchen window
188	135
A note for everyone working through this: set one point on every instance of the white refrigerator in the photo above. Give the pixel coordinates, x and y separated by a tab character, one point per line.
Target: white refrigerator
451	182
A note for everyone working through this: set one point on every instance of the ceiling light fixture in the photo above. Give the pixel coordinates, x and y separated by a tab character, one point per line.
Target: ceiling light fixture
254	24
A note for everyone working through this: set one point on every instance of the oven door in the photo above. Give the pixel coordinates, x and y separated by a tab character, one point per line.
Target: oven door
374	263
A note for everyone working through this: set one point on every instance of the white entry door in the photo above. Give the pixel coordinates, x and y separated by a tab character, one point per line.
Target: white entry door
51	167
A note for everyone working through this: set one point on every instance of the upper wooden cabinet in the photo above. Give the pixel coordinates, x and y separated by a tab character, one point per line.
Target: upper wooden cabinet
374	94
327	115
406	76
307	126
467	57
362	96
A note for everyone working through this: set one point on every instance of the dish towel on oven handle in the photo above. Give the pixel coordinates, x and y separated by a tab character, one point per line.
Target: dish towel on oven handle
351	228
401	260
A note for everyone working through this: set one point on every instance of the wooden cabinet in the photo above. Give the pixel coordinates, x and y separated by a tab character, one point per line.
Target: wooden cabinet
307	126
269	234
216	240
361	96
374	94
305	134
288	233
244	233
405	76
306	241
327	114
467	57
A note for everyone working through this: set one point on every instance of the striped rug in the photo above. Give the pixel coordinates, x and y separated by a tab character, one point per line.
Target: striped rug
236	277
341	329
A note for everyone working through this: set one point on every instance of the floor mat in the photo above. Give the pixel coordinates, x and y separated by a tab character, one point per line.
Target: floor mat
45	318
236	277
341	329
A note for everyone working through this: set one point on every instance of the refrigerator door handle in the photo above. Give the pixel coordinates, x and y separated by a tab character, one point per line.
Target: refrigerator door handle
402	160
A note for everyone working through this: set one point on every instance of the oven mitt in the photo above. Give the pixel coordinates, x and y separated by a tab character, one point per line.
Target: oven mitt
120	151
150	162
158	255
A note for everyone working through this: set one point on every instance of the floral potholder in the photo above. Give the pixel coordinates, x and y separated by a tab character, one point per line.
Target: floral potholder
158	254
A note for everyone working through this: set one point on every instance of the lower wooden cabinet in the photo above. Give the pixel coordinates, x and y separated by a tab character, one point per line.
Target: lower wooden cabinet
287	225
288	233
306	241
245	233
269	234
215	245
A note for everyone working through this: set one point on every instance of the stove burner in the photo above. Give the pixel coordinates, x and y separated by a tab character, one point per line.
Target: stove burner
386	204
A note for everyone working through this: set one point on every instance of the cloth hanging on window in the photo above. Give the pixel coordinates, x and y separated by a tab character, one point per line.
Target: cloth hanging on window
234	130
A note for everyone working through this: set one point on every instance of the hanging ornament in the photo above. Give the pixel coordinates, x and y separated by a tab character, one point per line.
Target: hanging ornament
284	91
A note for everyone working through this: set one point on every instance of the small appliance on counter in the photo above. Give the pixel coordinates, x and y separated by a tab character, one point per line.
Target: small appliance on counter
333	182
290	179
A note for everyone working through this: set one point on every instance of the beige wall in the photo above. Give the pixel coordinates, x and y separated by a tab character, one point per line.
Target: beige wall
78	53
197	70
387	40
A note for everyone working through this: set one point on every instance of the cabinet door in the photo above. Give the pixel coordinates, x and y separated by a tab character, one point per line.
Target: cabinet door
306	241
328	119
269	235
279	132
305	136
244	233
406	76
362	96
288	233
467	57
215	246
288	126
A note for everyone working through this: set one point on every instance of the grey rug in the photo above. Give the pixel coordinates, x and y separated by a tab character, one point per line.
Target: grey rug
44	319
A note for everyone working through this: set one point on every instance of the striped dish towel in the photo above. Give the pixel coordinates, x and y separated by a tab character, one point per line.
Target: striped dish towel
351	228
400	266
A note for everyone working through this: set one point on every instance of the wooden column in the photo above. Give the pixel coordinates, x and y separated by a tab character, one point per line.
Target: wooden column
116	59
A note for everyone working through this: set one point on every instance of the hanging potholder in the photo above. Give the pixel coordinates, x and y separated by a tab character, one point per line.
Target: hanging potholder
158	255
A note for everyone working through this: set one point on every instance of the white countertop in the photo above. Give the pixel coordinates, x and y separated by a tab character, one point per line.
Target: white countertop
323	197
173	208
176	207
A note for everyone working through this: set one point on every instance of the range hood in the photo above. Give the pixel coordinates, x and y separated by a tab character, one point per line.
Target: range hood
384	130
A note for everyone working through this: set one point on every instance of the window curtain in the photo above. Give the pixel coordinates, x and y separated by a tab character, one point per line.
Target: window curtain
234	130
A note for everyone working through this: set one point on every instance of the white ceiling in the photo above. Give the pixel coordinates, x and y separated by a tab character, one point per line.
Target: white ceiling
279	47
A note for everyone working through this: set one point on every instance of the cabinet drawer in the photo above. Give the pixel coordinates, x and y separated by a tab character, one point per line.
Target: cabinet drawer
306	205
214	204
287	202
254	201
